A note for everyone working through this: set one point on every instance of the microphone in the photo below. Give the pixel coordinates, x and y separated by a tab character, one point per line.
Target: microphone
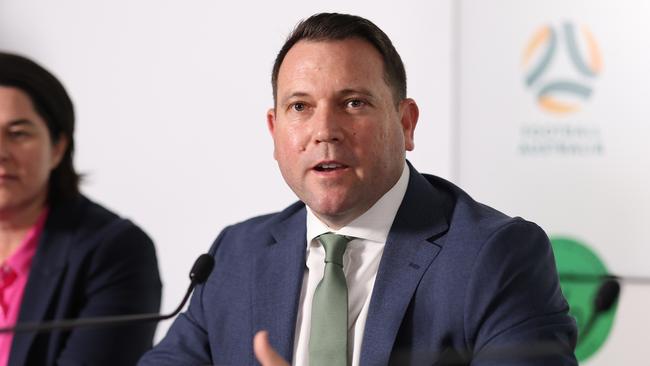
200	271
584	277
605	298
603	301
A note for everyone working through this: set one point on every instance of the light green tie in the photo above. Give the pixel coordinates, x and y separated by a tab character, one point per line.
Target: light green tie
328	339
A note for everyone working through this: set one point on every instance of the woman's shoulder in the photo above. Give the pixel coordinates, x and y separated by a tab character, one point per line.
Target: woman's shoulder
89	221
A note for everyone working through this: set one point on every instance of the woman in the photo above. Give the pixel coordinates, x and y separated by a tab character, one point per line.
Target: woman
61	255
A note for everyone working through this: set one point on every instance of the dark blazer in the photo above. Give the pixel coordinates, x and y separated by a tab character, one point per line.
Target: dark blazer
456	278
89	262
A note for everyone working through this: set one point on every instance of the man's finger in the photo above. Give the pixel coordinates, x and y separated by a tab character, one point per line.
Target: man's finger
264	352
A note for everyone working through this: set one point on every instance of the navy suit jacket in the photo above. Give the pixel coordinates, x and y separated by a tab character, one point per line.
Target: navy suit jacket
89	262
457	278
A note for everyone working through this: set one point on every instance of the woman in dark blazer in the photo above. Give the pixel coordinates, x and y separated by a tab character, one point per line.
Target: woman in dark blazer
61	255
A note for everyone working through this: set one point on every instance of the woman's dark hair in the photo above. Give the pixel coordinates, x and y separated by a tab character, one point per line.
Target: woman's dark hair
337	27
53	104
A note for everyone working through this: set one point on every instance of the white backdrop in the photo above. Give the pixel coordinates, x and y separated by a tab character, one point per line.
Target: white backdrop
171	99
582	174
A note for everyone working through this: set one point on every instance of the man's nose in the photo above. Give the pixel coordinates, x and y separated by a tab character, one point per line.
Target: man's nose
327	125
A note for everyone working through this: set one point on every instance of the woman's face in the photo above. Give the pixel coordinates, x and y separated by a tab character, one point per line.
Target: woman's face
27	154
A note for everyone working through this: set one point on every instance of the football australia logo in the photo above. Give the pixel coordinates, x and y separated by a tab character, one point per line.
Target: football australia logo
561	64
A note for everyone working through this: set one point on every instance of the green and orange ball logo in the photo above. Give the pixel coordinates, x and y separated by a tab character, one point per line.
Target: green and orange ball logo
561	64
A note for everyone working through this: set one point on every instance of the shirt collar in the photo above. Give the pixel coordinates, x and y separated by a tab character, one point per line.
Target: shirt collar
373	224
21	260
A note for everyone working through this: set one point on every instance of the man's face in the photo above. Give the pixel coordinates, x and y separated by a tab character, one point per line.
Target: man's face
27	155
340	139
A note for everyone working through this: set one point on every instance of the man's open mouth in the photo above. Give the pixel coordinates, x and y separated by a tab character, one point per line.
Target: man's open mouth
328	167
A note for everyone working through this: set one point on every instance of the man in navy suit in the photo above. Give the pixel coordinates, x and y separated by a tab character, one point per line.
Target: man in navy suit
432	276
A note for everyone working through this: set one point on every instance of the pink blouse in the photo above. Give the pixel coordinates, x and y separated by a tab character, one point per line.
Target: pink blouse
13	278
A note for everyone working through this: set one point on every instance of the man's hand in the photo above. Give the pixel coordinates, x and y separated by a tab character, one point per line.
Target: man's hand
265	354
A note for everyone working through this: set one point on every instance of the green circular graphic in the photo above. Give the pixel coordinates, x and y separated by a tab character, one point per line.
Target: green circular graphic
575	258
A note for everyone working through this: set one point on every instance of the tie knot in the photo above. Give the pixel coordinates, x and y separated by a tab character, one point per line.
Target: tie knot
335	246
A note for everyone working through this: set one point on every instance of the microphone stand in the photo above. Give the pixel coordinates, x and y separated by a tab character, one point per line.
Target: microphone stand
200	271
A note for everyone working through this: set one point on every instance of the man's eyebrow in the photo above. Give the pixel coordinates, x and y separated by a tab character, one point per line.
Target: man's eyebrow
293	95
362	91
344	92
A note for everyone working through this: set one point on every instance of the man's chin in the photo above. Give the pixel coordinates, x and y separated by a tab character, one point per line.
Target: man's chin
334	215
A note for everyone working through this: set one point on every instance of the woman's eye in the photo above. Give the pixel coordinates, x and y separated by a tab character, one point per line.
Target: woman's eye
18	134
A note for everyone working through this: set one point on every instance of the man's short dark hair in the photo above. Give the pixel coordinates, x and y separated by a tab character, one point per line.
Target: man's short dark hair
53	104
336	27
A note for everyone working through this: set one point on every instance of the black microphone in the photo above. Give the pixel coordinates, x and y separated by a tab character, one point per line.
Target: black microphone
199	274
584	277
605	298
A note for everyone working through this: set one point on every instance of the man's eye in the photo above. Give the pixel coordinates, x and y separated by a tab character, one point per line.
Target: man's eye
355	103
298	107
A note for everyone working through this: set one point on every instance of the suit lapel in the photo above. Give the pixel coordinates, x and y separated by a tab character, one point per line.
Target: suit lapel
410	249
277	280
48	267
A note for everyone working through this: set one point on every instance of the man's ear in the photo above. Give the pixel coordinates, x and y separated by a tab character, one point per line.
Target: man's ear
270	120
270	124
409	114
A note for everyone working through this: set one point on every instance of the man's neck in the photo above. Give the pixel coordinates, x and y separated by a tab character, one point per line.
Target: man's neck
339	221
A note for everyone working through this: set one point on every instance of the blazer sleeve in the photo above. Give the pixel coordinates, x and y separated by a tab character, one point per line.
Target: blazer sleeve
122	278
515	313
186	341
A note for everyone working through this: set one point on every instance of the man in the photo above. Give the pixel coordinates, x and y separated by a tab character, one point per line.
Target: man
423	273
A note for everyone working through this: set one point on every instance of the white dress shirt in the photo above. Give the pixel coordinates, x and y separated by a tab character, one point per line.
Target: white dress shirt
360	264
